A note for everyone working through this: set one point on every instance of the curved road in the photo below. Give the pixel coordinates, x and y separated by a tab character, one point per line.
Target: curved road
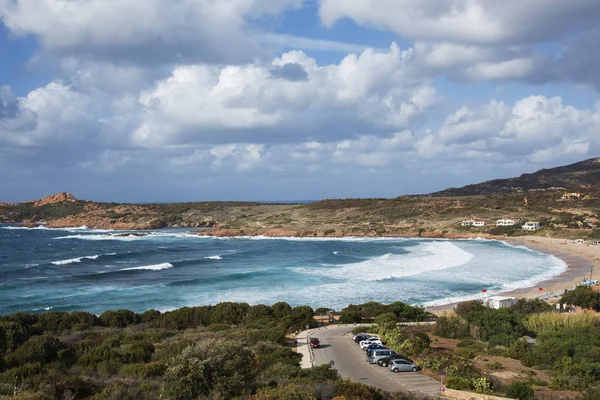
350	361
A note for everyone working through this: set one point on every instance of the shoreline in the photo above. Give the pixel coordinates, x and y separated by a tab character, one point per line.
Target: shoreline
579	258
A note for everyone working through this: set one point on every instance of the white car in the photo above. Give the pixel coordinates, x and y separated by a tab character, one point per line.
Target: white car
366	343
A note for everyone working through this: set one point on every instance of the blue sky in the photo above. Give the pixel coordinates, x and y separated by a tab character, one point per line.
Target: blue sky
290	99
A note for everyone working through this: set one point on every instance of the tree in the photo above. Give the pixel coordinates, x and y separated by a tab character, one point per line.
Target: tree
212	366
386	319
281	309
582	296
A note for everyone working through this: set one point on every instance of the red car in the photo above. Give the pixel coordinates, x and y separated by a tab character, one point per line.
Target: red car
315	343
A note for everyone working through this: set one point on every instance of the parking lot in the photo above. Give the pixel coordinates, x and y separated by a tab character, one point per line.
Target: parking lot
350	361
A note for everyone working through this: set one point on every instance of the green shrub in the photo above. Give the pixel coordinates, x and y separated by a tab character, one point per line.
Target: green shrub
350	318
458	383
582	296
12	335
224	367
518	349
43	349
385	319
320	373
520	390
119	318
451	327
229	313
153	369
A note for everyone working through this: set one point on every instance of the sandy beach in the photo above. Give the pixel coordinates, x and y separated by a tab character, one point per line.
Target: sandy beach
581	259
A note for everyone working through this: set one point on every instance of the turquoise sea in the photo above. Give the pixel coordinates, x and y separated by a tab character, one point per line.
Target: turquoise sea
81	269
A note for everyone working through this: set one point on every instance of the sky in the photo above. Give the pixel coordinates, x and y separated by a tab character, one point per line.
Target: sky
194	100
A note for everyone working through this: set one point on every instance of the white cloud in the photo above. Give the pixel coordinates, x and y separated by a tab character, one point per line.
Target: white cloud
465	21
143	30
366	92
533	127
53	113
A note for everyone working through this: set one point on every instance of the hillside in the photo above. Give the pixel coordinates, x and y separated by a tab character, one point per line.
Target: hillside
428	216
573	177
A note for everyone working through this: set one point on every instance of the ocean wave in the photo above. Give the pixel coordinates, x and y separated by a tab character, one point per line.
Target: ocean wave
156	267
428	257
217	257
228	278
129	238
79	259
68	229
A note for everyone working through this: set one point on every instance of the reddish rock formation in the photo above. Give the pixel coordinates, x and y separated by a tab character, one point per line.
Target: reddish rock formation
55	198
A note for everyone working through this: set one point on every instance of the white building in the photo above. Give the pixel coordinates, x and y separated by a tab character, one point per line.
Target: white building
501	302
505	222
467	222
478	222
531	226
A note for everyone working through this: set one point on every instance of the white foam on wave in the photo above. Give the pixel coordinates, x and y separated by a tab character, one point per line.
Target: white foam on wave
79	259
156	267
427	257
68	229
336	252
217	257
129	238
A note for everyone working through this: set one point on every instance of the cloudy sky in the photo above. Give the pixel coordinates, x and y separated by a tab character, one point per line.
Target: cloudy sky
183	100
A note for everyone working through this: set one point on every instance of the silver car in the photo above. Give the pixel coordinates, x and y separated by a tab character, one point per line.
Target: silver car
402	365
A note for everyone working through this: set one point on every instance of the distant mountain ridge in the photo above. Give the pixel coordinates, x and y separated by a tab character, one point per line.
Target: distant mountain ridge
577	176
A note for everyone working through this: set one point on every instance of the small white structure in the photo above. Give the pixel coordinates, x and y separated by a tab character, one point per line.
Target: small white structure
467	222
505	222
501	301
478	222
531	226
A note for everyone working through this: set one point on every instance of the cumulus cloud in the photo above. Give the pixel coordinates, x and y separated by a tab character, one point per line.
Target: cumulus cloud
533	127
289	99
144	31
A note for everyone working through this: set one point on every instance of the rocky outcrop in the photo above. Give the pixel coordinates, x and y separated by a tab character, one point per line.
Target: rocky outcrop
53	199
219	232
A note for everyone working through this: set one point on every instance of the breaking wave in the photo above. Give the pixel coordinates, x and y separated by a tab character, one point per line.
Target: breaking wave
79	259
428	257
156	267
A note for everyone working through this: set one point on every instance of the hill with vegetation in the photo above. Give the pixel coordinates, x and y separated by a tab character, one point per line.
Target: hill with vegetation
538	198
578	176
226	351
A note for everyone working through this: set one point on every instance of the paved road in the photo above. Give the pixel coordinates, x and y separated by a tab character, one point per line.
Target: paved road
350	362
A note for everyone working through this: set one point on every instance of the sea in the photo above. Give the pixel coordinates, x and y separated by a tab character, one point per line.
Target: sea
83	269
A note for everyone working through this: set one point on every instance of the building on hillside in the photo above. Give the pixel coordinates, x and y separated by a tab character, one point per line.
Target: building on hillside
505	222
467	222
531	226
478	222
500	302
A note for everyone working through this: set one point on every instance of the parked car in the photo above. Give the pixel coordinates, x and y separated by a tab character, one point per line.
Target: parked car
385	361
374	347
402	365
376	354
363	336
366	343
315	343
